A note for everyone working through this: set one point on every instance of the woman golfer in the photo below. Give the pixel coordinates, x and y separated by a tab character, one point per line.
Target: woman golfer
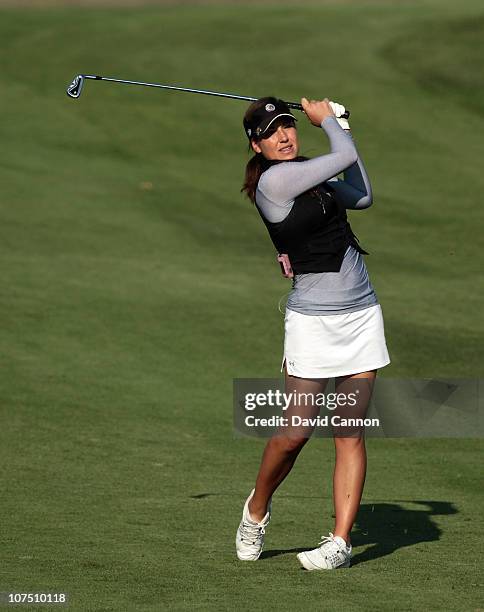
333	322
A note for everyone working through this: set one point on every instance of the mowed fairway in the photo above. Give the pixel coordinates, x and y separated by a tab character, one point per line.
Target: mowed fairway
137	283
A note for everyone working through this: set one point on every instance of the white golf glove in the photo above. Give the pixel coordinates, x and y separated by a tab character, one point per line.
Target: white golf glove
340	110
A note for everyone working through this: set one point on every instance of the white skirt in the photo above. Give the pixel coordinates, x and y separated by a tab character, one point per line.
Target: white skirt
334	345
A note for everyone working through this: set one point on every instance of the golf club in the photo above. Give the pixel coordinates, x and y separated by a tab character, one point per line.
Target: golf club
75	89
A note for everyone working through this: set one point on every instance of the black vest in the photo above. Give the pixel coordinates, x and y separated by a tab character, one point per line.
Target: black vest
316	233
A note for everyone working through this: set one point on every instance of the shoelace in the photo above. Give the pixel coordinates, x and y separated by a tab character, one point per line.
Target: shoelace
330	549
249	531
327	539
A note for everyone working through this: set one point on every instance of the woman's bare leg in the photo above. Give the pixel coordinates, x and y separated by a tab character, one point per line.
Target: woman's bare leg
282	449
350	466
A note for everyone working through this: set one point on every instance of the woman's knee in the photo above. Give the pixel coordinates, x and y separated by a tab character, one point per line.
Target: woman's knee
350	443
291	444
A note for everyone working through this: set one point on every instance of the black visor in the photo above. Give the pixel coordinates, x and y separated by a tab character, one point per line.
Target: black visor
265	116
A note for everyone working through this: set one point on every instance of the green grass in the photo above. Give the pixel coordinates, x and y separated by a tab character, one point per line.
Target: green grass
137	283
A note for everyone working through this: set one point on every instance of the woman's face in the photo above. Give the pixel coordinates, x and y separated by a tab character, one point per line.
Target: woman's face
279	142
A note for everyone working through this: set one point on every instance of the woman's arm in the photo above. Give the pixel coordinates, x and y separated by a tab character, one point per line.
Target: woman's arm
282	183
355	190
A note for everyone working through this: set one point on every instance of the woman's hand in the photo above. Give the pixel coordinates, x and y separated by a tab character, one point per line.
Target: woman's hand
317	110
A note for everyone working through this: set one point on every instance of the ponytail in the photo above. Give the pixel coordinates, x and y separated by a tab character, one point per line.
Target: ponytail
255	167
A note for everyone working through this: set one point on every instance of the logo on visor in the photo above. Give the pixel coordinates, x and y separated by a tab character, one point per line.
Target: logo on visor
270	108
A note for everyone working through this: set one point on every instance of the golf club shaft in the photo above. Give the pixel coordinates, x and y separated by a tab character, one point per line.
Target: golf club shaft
78	81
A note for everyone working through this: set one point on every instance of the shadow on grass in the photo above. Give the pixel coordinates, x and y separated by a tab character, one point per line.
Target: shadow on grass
385	527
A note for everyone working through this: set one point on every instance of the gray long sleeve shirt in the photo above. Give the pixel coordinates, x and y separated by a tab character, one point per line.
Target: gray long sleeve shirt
323	293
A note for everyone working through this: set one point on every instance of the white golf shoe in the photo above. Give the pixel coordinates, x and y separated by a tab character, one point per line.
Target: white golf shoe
332	553
249	540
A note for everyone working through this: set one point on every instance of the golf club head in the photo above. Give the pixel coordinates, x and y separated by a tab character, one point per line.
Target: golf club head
75	88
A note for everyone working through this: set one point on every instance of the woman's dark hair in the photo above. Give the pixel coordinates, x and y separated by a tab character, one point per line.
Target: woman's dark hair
253	171
255	165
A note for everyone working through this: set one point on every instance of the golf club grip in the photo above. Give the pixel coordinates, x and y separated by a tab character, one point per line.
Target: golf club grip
298	106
